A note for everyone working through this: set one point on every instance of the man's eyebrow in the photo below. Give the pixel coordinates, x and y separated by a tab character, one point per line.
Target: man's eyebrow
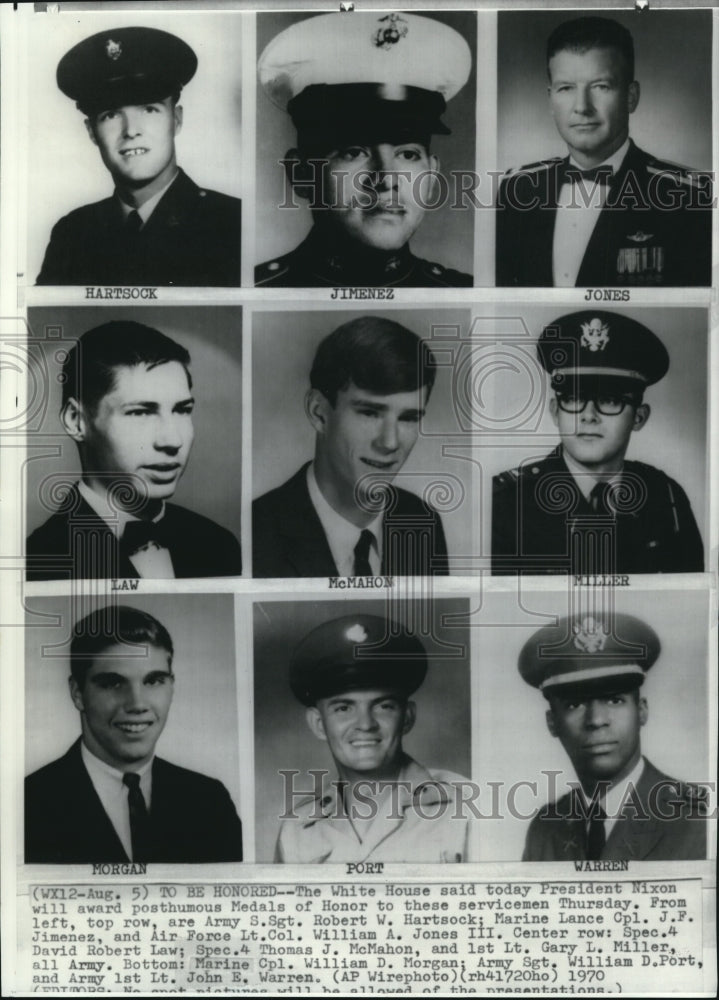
190	401
374	404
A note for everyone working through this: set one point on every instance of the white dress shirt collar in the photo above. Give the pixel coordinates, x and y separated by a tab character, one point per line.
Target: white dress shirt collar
147	208
342	536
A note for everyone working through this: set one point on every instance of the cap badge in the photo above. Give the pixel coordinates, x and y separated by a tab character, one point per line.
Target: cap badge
391	29
356	634
113	49
595	335
589	636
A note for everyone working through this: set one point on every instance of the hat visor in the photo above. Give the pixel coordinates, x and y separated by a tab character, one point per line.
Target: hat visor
129	91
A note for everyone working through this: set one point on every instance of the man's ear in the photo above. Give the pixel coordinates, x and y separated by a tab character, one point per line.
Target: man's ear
314	721
643	711
91	131
410	717
76	694
551	722
302	176
633	96
316	407
641	415
73	420
177	114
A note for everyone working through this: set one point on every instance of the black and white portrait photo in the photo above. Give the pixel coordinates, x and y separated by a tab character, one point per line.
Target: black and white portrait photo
362	731
613	695
605	138
109	696
126	193
362	123
138	403
351	412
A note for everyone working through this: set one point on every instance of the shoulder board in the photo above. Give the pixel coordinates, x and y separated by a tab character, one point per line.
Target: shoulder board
271	270
680	173
538	167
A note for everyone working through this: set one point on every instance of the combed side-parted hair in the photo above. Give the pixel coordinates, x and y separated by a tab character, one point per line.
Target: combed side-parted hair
375	354
115	624
586	33
89	369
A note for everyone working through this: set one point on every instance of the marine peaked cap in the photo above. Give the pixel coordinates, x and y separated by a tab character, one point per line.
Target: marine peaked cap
365	76
596	344
584	652
355	653
125	66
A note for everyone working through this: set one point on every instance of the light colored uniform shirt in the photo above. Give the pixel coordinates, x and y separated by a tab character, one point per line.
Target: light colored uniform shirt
342	536
112	792
578	208
585	480
153	561
423	821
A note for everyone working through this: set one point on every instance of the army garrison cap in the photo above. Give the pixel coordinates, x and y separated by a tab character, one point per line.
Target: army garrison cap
584	652
125	66
606	345
365	77
330	659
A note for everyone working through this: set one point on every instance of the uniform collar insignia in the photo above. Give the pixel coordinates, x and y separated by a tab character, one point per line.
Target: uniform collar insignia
640	237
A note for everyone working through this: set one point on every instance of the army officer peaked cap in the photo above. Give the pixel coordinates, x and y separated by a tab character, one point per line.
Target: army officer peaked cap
597	344
124	66
356	653
365	76
584	653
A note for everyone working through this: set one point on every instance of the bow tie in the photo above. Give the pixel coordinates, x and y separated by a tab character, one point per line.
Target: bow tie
601	174
138	534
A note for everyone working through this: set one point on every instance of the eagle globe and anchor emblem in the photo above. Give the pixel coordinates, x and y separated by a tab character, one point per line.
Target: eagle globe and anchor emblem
392	29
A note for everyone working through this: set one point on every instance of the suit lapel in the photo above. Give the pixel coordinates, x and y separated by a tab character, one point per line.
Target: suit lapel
539	234
171	210
101	841
307	547
638	830
101	555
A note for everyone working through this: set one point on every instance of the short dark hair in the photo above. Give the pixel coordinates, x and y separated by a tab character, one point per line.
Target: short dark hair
586	33
109	626
88	372
376	354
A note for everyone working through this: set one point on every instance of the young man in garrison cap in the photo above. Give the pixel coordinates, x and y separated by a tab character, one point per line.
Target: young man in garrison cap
341	514
385	806
608	213
159	227
583	509
127	404
623	809
365	92
109	798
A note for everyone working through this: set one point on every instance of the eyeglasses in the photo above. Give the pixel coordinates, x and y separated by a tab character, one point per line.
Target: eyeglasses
608	405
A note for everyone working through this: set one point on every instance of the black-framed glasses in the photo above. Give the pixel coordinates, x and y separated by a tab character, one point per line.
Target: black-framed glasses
608	404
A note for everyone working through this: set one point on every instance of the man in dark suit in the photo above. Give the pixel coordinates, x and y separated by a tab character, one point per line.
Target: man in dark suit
127	403
623	809
159	227
583	509
365	94
109	798
341	515
608	214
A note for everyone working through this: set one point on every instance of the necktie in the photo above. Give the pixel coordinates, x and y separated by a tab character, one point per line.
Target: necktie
138	534
139	817
601	174
133	223
596	834
598	499
361	550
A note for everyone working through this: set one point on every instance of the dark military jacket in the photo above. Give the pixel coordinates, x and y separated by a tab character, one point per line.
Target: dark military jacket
314	263
662	820
541	523
191	238
76	543
654	228
288	539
